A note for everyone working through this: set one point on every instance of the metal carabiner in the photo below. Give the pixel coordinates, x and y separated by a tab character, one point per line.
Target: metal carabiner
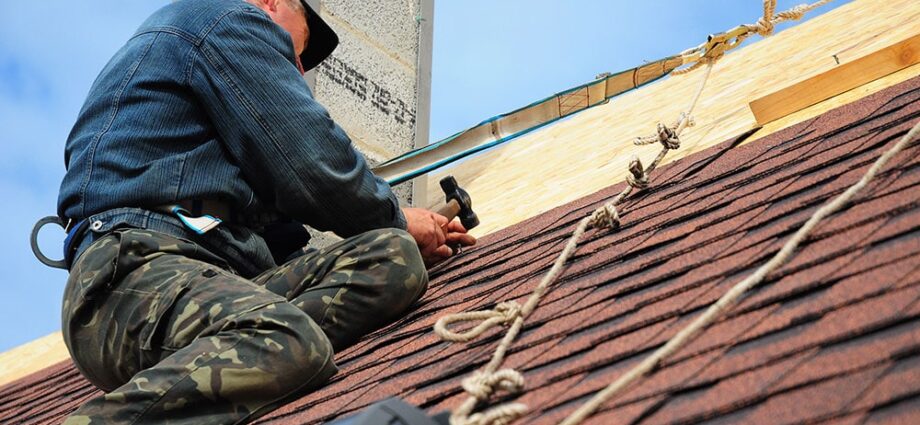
33	239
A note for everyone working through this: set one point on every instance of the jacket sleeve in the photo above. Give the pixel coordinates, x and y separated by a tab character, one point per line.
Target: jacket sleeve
290	150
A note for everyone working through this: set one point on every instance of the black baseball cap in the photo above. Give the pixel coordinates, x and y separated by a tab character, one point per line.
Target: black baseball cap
323	40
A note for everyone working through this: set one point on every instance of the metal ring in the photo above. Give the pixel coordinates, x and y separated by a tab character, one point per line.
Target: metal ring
33	239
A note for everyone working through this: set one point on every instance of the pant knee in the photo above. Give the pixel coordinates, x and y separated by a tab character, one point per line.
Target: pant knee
406	275
291	341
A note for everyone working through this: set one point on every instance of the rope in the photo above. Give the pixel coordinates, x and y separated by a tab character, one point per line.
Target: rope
483	384
719	44
504	313
716	310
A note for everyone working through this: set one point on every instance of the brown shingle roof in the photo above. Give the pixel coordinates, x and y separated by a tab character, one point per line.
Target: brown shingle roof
834	335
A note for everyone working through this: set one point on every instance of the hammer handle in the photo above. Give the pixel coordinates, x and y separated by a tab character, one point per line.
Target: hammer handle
450	210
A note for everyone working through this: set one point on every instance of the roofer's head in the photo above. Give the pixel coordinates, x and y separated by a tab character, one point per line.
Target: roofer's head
313	39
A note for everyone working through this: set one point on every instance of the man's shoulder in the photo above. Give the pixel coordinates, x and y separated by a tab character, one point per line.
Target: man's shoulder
193	19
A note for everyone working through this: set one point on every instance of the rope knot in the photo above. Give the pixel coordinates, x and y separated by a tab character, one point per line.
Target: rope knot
668	137
764	26
503	313
482	385
605	217
637	177
510	309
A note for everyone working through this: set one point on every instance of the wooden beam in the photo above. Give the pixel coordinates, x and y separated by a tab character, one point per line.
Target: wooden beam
840	79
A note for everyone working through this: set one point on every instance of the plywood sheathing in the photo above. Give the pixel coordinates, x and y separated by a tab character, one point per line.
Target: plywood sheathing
590	151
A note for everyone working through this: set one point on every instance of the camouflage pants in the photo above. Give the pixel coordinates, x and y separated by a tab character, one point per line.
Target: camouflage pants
174	337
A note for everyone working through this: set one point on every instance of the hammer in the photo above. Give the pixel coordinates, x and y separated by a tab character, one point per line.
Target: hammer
458	204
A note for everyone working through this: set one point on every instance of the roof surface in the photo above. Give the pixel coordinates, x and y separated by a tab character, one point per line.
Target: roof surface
514	182
833	336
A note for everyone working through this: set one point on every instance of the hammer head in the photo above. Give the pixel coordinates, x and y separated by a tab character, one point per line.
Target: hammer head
454	192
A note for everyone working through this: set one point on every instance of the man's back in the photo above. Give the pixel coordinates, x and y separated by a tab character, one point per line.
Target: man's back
205	102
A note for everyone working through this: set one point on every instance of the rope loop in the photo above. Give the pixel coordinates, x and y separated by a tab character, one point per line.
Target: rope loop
482	385
504	414
503	313
763	27
637	177
605	217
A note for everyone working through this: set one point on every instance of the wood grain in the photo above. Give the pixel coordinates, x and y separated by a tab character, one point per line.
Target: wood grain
847	76
591	150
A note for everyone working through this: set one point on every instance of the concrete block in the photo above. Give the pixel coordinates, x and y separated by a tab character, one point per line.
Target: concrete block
389	25
376	85
370	94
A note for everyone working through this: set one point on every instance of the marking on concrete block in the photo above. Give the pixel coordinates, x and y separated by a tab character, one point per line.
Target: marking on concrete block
364	89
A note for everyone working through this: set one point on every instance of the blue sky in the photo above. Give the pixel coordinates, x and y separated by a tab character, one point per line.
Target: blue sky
490	57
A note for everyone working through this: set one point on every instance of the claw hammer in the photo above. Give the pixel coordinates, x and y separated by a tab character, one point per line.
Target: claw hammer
457	204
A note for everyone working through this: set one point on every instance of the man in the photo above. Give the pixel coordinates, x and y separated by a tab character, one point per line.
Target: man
204	116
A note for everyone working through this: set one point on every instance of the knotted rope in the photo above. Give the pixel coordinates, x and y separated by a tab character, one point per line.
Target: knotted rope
765	25
504	313
715	311
483	384
719	44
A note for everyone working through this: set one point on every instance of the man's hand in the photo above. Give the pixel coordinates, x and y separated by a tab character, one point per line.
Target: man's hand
434	235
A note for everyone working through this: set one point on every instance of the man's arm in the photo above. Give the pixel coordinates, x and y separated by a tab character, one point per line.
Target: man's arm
288	147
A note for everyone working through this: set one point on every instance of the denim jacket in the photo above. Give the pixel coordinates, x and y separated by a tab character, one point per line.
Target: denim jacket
205	101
